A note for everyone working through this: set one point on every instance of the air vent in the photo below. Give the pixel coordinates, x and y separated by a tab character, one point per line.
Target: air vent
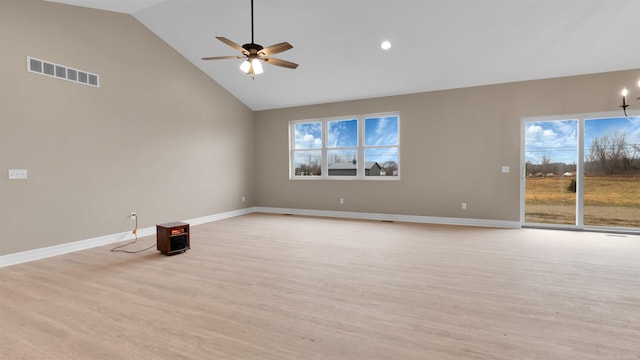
47	68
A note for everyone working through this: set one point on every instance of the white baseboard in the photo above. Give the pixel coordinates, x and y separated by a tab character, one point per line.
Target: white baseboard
394	217
36	254
221	216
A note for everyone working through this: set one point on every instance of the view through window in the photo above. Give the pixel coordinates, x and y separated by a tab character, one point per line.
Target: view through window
358	147
596	184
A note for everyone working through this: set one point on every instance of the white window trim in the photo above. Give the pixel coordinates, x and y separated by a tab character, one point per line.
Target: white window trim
360	149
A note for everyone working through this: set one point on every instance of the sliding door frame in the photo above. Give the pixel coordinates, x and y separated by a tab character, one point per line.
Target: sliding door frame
581	118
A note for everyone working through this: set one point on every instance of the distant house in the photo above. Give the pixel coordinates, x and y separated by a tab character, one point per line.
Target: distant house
371	168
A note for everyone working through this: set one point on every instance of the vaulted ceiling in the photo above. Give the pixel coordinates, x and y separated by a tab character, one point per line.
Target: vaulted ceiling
435	44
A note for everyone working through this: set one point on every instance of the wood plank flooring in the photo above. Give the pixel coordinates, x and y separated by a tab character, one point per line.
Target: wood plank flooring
265	286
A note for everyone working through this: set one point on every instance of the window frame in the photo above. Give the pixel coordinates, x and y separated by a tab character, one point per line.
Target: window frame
360	148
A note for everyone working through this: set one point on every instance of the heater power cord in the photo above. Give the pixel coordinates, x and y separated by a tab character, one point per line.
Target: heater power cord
135	233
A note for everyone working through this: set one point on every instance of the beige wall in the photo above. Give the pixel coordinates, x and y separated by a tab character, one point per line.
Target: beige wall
158	137
453	145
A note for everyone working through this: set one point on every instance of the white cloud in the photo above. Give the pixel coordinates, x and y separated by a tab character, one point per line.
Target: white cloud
307	141
308	136
534	129
556	139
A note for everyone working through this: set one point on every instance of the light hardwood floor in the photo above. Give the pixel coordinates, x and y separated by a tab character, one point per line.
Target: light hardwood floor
290	287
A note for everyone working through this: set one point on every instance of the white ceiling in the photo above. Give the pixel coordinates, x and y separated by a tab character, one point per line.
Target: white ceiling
436	44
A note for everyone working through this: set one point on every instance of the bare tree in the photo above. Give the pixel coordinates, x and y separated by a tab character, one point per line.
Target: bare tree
389	167
310	167
546	164
611	154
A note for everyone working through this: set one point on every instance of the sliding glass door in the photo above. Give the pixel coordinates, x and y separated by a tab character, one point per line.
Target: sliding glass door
551	159
612	172
581	172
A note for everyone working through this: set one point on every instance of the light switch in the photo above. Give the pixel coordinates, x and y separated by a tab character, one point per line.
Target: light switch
15	174
505	169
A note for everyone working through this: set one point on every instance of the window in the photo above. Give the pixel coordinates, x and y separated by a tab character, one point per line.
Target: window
381	145
358	147
342	147
307	148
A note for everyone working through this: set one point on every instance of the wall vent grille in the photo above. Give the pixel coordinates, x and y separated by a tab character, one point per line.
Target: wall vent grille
47	68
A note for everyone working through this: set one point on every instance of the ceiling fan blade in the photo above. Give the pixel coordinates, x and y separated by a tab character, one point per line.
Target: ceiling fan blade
278	62
223	57
232	44
274	49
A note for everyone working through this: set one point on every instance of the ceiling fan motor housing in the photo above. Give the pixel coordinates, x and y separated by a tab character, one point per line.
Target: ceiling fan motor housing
252	48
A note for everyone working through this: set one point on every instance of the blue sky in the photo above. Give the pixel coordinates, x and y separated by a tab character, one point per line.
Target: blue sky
342	133
598	127
378	131
559	139
555	139
381	131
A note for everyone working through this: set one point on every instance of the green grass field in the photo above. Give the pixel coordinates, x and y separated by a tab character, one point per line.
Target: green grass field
608	201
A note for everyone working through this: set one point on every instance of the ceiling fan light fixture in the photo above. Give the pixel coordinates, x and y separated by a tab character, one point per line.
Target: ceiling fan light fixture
251	68
257	66
245	66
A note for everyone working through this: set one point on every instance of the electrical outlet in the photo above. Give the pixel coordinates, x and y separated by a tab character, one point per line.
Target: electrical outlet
464	206
341	201
244	199
133	215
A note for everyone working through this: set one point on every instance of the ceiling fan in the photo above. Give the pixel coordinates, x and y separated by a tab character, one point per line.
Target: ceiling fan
254	53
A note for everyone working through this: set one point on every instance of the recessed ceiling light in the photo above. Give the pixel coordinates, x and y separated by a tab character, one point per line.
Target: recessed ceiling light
385	45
